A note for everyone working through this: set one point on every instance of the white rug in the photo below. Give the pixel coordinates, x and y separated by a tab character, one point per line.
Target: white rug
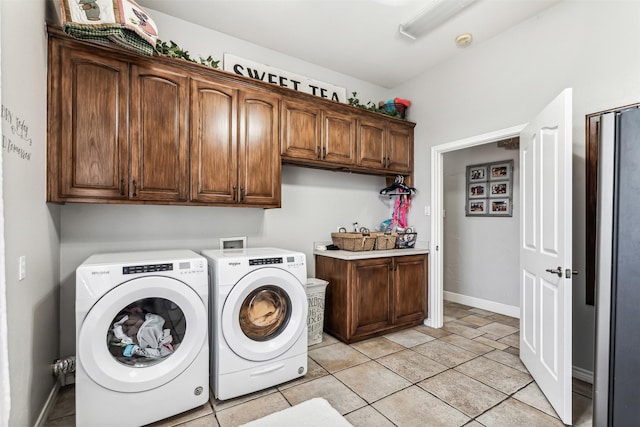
311	413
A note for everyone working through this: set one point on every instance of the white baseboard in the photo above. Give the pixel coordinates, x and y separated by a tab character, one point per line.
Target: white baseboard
496	307
582	374
48	405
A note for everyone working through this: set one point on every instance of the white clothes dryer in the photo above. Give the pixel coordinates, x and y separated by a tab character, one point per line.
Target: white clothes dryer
142	350
258	312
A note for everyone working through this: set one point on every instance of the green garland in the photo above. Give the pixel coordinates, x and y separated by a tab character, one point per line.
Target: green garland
172	50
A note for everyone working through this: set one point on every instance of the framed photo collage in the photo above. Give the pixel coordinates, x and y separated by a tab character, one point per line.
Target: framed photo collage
489	191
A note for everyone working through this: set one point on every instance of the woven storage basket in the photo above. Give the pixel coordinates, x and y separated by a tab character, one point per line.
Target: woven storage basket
385	241
354	242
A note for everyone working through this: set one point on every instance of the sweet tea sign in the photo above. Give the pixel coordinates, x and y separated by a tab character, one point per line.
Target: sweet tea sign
268	74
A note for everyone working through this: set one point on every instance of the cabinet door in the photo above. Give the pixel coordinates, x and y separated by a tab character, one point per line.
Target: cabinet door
90	110
410	288
214	153
300	130
338	137
159	150
400	148
371	303
258	156
371	144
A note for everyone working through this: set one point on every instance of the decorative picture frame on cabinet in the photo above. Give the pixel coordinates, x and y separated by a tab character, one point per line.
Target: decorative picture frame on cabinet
490	189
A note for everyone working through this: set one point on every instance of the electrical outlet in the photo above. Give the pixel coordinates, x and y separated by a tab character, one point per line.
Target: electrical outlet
22	267
427	210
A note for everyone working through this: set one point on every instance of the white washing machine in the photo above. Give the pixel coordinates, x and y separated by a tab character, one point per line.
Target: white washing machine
142	350
258	311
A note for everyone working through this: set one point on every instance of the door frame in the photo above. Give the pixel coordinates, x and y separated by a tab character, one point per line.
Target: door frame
436	286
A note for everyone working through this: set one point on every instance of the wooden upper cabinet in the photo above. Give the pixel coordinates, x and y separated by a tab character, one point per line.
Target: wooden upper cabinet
301	130
214	151
234	145
158	134
317	136
123	128
88	155
339	138
400	148
385	146
259	170
372	138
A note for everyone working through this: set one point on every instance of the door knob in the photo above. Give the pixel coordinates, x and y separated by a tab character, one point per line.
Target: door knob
569	272
557	271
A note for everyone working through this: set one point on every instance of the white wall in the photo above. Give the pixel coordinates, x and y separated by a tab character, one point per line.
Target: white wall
590	46
31	227
480	253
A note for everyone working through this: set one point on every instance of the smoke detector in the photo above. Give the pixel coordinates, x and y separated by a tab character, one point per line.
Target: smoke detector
464	39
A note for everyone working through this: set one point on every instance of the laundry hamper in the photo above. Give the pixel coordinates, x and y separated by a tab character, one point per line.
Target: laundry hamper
316	289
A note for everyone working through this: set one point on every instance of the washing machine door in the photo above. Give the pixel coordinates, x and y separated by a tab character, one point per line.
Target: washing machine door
142	334
264	314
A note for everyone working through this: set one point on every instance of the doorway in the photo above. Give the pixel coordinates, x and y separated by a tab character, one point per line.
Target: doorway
436	279
481	227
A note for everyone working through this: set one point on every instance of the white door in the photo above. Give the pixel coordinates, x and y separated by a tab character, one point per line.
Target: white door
104	357
545	252
264	314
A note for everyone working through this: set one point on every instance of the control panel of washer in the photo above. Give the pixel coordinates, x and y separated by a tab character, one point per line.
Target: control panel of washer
182	267
146	268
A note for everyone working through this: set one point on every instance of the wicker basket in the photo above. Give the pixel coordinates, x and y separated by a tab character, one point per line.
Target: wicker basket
385	241
354	242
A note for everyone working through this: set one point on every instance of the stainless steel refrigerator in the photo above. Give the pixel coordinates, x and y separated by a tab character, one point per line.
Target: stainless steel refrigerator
616	397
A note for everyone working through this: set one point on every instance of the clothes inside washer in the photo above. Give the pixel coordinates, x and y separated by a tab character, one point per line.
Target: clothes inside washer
146	334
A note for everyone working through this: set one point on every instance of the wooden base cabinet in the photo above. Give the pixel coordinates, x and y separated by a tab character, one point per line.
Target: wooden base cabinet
374	296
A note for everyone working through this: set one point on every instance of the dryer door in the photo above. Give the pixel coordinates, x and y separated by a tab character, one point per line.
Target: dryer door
264	314
142	334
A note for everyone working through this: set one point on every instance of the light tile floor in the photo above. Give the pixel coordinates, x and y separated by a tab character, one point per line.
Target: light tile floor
467	373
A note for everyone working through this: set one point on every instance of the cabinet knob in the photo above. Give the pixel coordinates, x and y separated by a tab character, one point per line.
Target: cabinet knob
235	192
242	194
122	193
324	152
319	155
135	188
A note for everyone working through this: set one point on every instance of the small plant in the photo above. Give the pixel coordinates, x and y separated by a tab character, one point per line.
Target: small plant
172	50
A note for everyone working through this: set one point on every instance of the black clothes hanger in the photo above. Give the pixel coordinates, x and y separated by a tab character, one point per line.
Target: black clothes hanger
398	188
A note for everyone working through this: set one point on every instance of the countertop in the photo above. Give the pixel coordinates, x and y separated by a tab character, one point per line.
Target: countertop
349	255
